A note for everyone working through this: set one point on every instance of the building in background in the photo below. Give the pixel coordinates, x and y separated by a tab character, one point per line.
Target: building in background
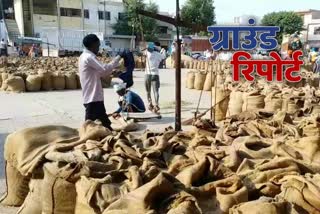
165	32
64	23
243	20
311	19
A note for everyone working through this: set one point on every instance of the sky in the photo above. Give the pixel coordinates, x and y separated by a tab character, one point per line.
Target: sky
226	10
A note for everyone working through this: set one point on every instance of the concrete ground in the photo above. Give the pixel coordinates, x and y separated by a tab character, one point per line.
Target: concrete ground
18	111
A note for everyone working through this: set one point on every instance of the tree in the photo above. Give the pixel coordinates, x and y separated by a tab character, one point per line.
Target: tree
122	27
149	25
144	28
289	23
200	12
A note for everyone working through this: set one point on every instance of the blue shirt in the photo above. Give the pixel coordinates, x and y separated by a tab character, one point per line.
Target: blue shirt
134	100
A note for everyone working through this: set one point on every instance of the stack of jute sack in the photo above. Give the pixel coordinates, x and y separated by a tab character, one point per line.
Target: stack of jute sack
43	74
254	162
206	74
232	99
185	61
203	75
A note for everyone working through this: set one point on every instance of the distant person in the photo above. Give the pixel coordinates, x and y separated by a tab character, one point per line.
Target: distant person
128	101
32	52
3	48
152	78
163	62
91	71
316	67
289	55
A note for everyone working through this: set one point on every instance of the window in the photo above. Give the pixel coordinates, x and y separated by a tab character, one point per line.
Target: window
70	12
86	14
106	15
45	7
317	31
121	16
163	29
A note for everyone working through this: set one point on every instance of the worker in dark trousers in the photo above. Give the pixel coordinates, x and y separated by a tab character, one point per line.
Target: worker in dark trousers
91	71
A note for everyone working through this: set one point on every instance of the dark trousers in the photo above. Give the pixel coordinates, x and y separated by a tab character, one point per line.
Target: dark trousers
97	111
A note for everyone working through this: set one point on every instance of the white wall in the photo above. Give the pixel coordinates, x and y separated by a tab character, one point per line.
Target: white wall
3	31
18	12
311	32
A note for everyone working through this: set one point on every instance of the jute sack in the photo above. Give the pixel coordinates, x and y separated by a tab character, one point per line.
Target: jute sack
46	83
302	191
290	106
145	198
253	101
203	65
315	109
59	81
220	98
235	103
58	194
122	125
230	193
95	195
311	130
32	203
195	64
71	81
210	78
219	79
261	206
4	77
200	78
106	82
0	80
26	148
273	103
78	81
17	187
14	84
190	79
33	82
199	65
206	66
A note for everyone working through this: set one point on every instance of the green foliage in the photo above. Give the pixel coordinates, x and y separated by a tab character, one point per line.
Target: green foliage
143	26
199	12
122	27
289	23
149	25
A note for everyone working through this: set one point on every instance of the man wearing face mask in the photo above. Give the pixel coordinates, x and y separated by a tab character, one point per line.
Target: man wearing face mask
152	79
91	71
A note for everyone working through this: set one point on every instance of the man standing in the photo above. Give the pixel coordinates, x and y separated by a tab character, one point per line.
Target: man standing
91	71
152	78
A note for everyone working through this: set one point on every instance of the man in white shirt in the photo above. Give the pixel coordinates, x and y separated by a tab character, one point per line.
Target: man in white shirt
152	78
91	71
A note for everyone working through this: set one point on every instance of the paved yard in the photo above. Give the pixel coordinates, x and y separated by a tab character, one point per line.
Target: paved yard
18	111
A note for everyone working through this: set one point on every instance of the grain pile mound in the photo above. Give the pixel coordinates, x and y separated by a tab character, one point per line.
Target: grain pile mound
254	160
43	74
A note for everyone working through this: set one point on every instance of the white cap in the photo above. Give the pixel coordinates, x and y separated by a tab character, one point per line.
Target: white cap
119	86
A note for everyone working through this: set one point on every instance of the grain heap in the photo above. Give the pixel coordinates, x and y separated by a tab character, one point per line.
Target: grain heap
254	160
43	74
